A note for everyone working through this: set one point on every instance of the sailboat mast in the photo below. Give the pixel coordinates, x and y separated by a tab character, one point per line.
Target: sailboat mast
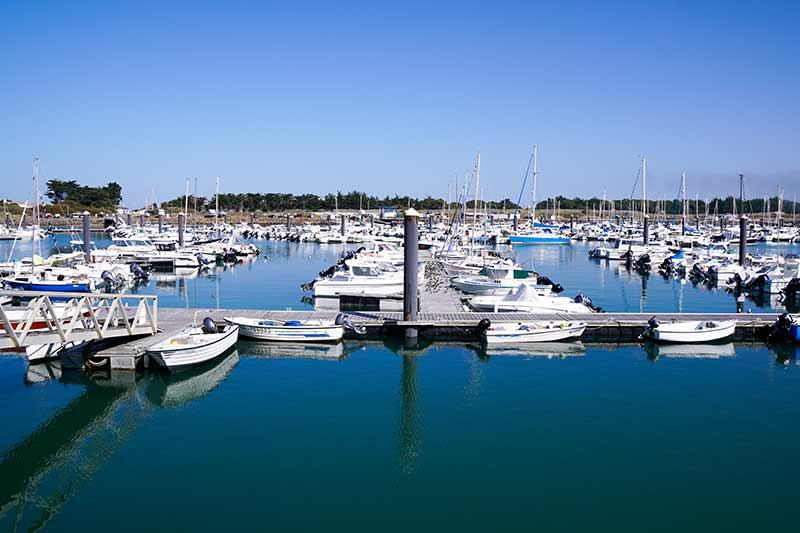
683	193
216	204
186	198
644	187
477	188
533	188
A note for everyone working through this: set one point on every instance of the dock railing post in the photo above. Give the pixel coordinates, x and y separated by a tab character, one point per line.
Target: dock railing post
87	237
181	228
410	273
742	240
646	230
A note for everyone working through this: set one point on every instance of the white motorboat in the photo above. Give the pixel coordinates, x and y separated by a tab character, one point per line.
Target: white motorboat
359	278
194	345
289	330
525	299
539	331
499	280
692	331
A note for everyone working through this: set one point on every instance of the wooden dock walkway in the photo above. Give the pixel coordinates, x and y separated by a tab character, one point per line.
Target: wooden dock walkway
448	326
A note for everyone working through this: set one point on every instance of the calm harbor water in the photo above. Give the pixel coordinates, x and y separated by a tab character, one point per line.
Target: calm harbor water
384	438
374	436
272	280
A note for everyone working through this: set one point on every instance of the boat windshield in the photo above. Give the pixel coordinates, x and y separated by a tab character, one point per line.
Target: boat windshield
365	271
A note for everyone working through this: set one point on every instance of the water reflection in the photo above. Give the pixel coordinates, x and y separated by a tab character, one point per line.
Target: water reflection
284	350
409	444
550	350
41	473
690	351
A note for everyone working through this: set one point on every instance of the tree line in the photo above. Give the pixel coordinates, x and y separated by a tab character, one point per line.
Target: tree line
73	196
252	202
670	207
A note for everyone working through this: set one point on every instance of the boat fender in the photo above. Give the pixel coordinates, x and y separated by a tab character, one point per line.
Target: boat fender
209	326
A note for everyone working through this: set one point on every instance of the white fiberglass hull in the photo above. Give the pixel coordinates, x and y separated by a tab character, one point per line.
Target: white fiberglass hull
534	332
488	287
329	289
264	330
545	305
177	355
687	332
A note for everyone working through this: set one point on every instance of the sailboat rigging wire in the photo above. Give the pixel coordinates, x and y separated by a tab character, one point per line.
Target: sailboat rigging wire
525	180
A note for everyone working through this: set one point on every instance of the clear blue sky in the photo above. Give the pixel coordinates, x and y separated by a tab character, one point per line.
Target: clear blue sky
398	98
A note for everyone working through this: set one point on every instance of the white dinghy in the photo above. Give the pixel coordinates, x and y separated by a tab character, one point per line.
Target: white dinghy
524	332
692	331
293	330
194	345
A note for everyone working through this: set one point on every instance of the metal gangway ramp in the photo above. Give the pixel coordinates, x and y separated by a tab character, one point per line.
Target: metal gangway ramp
61	317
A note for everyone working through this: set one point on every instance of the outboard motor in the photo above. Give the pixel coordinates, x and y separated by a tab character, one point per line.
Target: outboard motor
585	300
328	273
784	329
108	280
209	326
138	273
483	325
202	259
791	289
344	320
554	287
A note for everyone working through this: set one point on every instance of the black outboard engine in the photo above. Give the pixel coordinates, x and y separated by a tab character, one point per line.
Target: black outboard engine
782	328
585	300
328	273
792	288
108	279
209	326
653	323
138	273
554	287
344	320
483	325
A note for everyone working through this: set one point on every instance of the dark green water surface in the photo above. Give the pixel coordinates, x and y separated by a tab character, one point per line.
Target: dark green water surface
384	438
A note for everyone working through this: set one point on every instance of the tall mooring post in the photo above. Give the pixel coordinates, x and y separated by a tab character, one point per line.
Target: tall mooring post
514	221
410	272
683	225
572	224
430	222
371	221
342	228
647	229
141	220
181	228
721	223
742	240
252	219
130	219
697	222
87	237
288	222
160	223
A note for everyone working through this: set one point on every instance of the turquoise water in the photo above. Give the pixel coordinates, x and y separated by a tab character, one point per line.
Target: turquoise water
272	280
373	436
385	438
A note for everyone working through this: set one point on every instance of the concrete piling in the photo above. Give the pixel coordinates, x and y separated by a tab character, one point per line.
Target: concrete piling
742	240
410	270
181	228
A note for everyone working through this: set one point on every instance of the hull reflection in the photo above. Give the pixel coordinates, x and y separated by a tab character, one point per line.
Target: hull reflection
283	350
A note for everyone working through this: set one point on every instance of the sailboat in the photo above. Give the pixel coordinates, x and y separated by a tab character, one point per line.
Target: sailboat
540	233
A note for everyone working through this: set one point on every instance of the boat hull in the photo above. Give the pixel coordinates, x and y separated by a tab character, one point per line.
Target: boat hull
725	331
182	356
542	334
281	333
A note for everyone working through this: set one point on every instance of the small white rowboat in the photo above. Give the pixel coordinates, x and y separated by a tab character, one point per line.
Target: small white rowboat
689	332
541	331
288	331
194	345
